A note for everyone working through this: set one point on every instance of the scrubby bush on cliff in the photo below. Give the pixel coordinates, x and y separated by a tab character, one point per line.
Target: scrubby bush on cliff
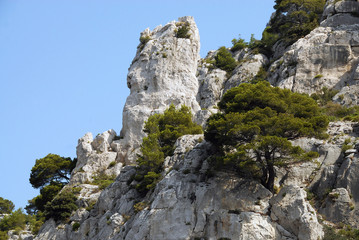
238	44
256	122
224	60
102	180
292	20
16	220
335	111
6	206
61	207
162	132
183	29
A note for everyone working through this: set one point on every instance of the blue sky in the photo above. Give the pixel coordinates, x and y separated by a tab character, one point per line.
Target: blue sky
63	67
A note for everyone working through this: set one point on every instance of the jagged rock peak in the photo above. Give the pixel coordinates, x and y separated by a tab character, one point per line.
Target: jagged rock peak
162	72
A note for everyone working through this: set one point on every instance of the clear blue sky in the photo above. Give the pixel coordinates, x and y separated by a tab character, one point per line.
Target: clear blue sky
63	67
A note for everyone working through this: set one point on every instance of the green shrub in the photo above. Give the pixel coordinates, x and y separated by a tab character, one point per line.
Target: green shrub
260	76
102	180
324	96
76	226
61	207
224	60
47	194
112	164
347	233
6	206
36	222
143	41
3	235
91	204
14	221
183	29
238	44
162	132
140	206
292	20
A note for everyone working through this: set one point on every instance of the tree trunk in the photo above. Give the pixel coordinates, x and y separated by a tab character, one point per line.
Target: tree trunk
271	176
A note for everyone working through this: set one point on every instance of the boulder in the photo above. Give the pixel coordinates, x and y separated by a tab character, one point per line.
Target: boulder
295	214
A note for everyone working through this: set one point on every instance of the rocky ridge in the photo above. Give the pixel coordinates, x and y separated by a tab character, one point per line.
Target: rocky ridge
190	203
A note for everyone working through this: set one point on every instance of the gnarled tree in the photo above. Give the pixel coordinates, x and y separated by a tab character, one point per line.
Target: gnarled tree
256	122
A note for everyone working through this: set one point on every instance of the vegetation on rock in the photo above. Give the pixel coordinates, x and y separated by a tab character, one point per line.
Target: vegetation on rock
224	60
335	111
256	122
51	168
15	220
162	132
103	180
51	174
346	233
292	20
6	206
61	207
183	29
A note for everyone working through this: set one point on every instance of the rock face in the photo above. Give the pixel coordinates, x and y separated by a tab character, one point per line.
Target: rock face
295	214
327	57
191	202
249	66
162	72
192	205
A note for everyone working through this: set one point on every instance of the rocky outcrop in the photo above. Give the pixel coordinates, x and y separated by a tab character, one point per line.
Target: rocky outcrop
95	156
192	205
249	65
162	72
338	13
327	57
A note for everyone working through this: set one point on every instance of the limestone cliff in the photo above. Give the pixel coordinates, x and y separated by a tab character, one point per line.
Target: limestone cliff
190	203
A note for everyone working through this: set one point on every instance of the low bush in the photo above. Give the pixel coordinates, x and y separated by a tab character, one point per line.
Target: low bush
61	207
143	41
14	221
75	226
6	206
238	44
102	180
224	60
346	233
162	132
183	29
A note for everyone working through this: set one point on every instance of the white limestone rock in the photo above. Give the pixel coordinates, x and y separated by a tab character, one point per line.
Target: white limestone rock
23	235
95	156
337	207
103	141
83	149
248	68
210	87
162	72
295	214
327	57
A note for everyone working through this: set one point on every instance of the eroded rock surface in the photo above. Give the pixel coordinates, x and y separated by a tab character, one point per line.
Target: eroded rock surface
162	72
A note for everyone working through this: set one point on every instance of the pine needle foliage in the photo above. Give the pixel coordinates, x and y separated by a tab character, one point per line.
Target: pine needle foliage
256	122
162	132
